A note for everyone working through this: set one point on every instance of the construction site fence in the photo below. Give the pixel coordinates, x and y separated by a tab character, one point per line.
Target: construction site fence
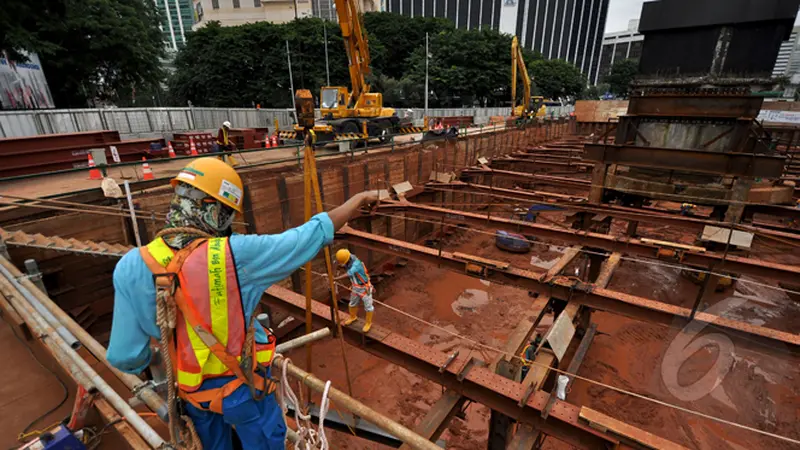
141	122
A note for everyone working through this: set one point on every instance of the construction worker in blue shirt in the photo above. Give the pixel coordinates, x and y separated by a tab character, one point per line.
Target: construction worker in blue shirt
361	289
222	381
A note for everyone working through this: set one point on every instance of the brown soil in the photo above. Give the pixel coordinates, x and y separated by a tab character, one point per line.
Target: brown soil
754	388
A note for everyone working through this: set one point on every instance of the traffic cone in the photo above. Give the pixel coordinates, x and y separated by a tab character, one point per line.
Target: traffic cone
94	172
267	141
192	148
147	172
171	150
275	141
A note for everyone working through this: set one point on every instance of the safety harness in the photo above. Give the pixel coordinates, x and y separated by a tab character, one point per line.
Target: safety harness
202	325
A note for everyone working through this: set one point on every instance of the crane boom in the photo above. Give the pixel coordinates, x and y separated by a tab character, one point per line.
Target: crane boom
355	40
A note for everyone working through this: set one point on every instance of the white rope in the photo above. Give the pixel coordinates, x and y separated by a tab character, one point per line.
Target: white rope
307	437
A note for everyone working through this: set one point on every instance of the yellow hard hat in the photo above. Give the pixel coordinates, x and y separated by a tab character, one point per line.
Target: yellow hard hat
343	255
215	178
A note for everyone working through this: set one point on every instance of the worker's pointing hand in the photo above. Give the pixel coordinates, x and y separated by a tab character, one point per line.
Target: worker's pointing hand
369	197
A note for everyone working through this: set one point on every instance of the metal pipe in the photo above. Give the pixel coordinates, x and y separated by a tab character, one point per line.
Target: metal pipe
134	224
356	407
57	344
37	305
302	340
134	383
62	359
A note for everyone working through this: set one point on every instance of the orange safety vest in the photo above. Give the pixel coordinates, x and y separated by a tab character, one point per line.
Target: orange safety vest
210	331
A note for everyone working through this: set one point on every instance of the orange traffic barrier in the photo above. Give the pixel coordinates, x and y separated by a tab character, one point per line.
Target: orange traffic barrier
94	172
147	172
192	148
275	141
267	141
171	150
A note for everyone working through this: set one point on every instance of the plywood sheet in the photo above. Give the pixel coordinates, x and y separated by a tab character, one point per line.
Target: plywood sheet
600	110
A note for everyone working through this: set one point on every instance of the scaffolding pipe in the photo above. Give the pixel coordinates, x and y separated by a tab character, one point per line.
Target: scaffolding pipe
79	366
37	305
62	359
302	340
134	383
356	407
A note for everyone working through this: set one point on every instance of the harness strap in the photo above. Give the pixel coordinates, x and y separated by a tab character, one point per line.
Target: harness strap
165	279
214	397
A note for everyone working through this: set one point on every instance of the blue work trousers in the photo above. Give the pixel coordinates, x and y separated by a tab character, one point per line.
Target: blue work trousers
260	425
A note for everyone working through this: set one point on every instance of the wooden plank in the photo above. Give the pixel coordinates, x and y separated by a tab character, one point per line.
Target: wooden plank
606	423
563	261
438	417
538	373
607	270
521	335
692	248
125	430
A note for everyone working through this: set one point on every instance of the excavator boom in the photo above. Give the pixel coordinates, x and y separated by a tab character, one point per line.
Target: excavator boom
517	62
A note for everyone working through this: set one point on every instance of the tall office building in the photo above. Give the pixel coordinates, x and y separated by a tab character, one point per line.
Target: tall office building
618	46
788	61
326	9
558	29
177	17
239	12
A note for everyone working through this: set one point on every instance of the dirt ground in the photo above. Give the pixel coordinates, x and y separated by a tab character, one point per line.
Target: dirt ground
755	387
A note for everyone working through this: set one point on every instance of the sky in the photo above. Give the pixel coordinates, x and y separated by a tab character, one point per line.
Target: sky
621	11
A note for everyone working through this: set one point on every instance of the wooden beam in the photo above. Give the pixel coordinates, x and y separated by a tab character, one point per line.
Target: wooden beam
607	269
438	417
521	335
604	423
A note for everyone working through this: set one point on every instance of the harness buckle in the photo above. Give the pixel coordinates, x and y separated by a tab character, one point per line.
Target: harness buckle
166	281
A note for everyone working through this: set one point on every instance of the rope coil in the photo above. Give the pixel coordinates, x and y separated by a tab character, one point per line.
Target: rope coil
308	438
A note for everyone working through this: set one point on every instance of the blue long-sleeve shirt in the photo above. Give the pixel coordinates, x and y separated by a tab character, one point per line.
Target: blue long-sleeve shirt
357	272
261	260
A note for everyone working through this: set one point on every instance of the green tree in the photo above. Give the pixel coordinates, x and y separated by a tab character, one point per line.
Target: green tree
243	65
90	49
466	67
393	37
556	78
20	24
620	76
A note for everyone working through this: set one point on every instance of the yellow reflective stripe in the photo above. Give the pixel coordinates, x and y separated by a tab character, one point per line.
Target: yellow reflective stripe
160	251
189	379
264	356
218	301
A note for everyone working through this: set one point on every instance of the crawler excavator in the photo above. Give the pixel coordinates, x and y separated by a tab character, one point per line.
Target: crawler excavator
529	107
348	114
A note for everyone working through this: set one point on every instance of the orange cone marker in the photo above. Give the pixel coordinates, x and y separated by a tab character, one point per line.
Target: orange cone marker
192	147
171	150
147	172
94	172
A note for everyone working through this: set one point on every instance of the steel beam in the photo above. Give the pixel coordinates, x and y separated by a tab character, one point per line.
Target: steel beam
586	294
648	215
726	106
480	384
522	176
624	245
544	164
701	161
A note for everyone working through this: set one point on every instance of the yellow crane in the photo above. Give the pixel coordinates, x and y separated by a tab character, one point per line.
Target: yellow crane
354	112
528	105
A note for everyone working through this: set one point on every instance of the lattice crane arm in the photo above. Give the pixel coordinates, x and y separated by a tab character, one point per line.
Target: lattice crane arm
352	24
